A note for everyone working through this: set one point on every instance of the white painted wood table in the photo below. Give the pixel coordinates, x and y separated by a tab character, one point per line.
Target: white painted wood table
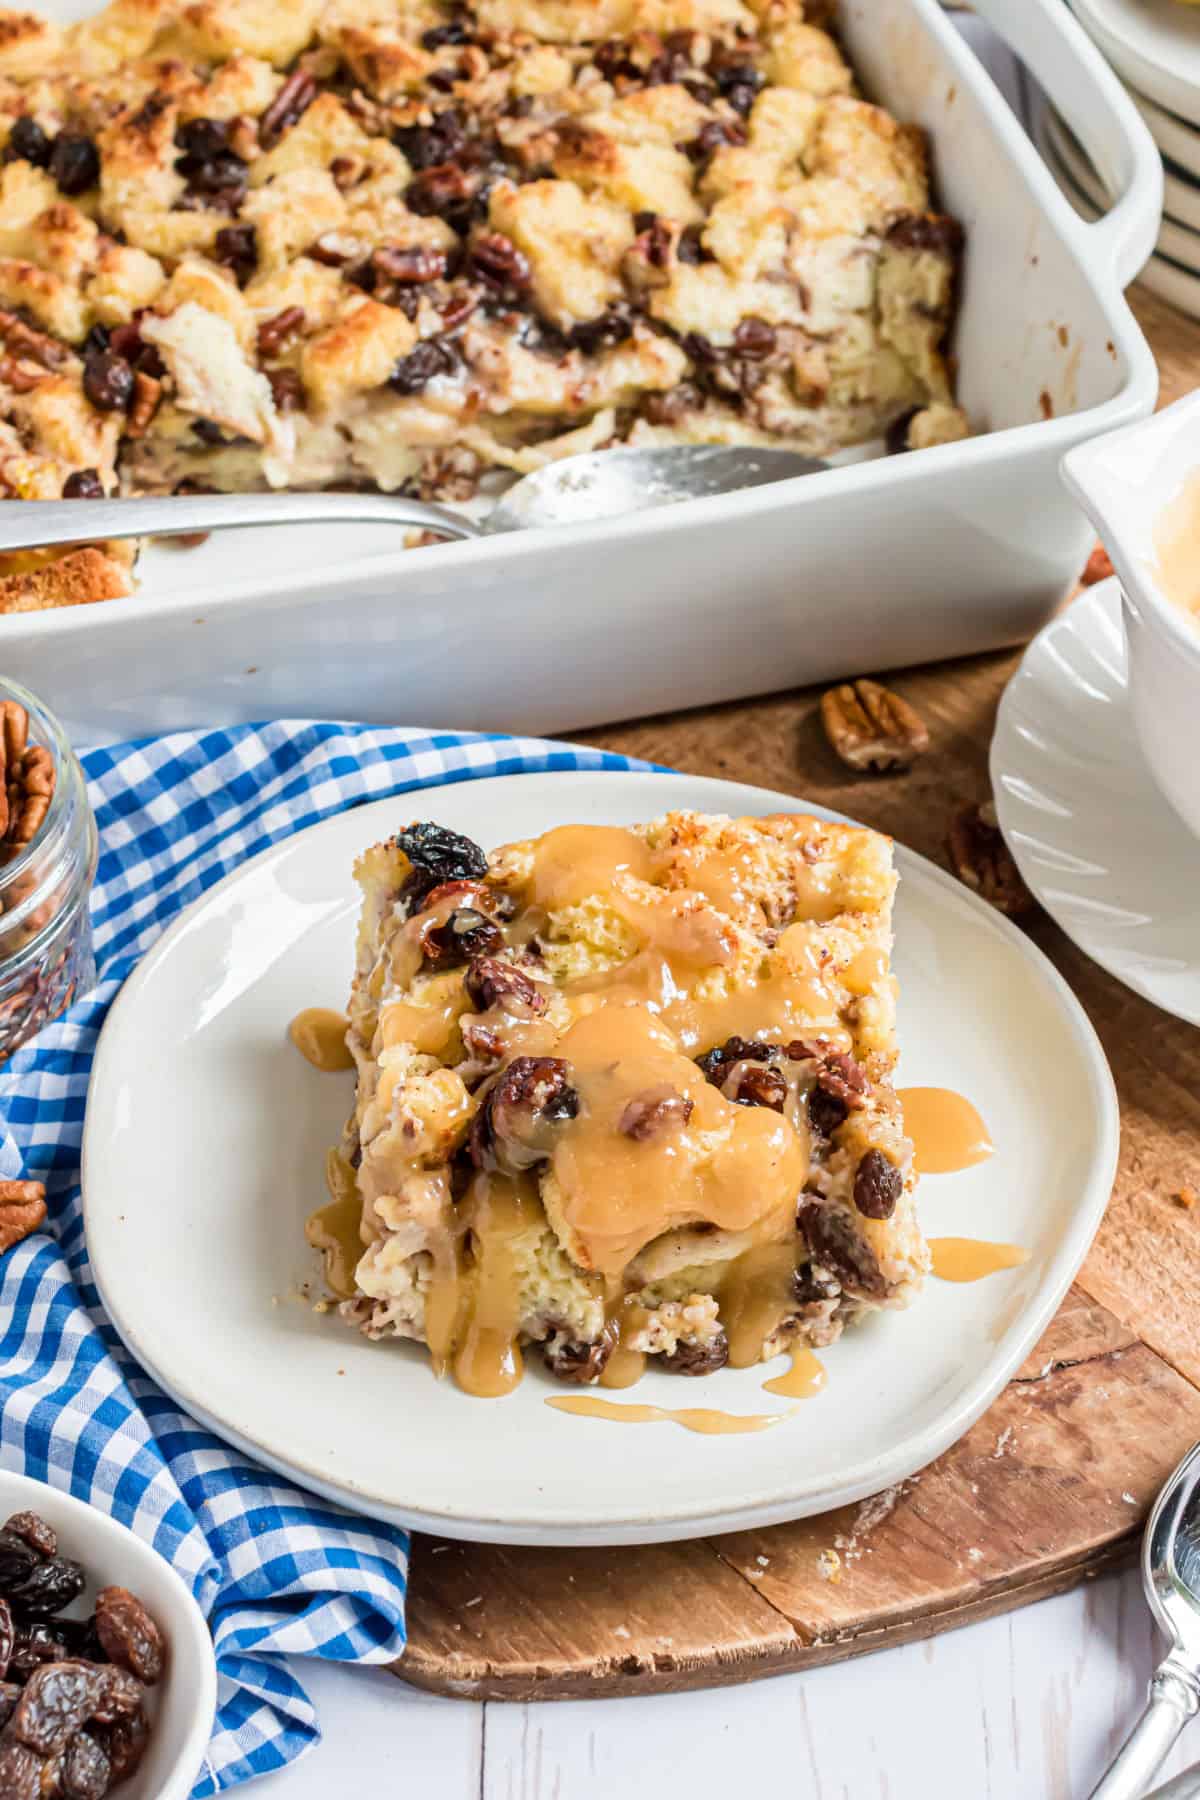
1027	1707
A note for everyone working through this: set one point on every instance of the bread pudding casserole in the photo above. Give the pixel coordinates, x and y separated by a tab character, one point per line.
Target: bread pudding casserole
248	244
623	1094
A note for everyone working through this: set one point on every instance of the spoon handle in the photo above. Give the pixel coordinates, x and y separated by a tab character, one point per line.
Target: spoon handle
28	524
1174	1699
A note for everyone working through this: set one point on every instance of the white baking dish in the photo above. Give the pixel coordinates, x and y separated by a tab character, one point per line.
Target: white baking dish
869	566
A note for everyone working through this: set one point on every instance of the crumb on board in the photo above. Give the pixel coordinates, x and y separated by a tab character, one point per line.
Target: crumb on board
1185	1197
477	1601
1002	1443
764	1562
621	1631
829	1565
1128	1498
974	1555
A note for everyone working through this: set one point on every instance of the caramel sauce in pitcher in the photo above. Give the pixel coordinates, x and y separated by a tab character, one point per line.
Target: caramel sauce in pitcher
1177	547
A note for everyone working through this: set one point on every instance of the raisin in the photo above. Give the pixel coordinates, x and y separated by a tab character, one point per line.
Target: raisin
212	168
490	982
878	1184
438	142
130	1637
74	163
236	248
209	432
833	1242
432	357
20	1772
738	83
290	103
52	1585
86	1770
54	1703
715	1065
689	249
825	1112
754	338
17	1561
611	328
107	381
33	1646
202	138
83	484
6	1637
36	1532
437	855
703	1358
714	136
124	1742
454	32
496	260
896	436
517	1123
810	1288
27	142
656	1111
577	1363
465	934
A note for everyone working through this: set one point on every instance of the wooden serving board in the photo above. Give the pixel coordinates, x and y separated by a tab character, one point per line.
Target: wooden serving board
1053	1483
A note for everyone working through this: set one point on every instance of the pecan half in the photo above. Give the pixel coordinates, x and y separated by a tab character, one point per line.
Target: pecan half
290	103
273	333
1098	567
983	862
650	1114
22	1210
871	728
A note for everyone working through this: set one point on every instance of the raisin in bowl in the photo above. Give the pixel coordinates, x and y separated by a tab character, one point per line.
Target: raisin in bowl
179	1706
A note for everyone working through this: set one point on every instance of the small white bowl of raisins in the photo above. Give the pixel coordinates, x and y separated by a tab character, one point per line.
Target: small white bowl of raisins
108	1681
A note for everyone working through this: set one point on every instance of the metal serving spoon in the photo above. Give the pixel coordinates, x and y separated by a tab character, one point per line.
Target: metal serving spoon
1171	1576
598	485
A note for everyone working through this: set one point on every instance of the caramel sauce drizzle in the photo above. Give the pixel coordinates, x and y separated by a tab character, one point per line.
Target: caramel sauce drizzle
946	1131
705	1419
631	1030
1177	547
336	1229
805	1379
319	1034
970	1259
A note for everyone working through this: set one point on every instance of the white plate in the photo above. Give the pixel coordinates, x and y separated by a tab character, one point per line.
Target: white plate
182	1705
203	1153
1178	141
1153	44
1095	840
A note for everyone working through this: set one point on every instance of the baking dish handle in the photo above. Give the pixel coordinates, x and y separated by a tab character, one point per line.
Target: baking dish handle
1062	58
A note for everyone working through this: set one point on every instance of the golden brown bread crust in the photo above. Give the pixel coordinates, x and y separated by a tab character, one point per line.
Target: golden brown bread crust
74	577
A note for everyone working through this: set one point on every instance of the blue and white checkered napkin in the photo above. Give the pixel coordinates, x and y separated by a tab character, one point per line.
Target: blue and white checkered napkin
277	1571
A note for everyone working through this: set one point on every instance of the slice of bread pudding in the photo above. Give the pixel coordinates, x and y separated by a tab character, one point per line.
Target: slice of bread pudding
626	1093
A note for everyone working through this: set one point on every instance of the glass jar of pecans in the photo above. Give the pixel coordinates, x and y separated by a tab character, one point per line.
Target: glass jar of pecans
47	862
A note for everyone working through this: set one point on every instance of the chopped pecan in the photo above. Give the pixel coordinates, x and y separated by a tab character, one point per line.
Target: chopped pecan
287	389
411	266
22	1210
490	982
290	103
21	339
274	332
495	259
658	1110
1098	567
871	728
147	392
983	861
20	377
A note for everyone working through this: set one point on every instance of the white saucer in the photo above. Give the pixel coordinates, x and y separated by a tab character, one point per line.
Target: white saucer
1153	44
204	1148
1096	842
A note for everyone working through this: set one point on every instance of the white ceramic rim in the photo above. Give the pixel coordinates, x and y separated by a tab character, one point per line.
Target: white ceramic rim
1177	140
94	1529
1080	472
866	1477
1102	252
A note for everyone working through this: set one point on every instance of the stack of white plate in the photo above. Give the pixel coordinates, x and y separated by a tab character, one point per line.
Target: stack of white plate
1154	46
